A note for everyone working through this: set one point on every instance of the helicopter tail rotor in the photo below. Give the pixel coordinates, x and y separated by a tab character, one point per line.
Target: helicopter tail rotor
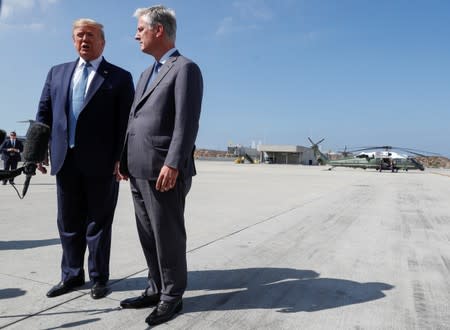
321	158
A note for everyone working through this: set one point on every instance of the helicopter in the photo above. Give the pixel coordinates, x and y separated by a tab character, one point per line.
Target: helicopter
379	160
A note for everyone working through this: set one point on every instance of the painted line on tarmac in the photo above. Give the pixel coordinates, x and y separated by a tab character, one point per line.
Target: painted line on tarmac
269	218
113	282
24	317
447	175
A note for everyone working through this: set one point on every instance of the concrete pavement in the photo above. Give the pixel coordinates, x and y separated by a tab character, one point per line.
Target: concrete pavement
269	247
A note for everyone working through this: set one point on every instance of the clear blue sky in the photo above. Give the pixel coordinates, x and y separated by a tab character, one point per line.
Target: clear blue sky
357	72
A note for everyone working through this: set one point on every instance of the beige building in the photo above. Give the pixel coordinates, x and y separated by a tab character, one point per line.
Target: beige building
286	154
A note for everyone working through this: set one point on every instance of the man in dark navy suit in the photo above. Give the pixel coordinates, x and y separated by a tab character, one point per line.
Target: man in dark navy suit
11	150
86	103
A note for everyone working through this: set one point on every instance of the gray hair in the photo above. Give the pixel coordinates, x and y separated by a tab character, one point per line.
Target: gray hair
159	15
87	21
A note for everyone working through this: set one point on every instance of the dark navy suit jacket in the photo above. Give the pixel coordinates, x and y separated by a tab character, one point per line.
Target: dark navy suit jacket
101	125
14	156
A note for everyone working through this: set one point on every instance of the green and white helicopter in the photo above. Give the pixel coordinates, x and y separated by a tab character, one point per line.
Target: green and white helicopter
369	158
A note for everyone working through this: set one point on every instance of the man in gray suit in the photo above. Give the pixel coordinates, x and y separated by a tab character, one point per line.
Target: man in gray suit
158	159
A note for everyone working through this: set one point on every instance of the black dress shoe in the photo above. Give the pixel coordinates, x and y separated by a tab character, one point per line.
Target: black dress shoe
140	302
65	287
164	311
4	182
99	290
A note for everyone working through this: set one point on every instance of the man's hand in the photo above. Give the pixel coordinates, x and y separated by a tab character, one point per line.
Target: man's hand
167	178
119	176
41	168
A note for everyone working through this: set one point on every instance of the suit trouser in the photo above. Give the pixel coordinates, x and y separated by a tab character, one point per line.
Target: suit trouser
86	207
10	164
162	233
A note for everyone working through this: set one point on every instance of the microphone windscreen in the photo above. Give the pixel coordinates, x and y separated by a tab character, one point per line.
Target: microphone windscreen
36	144
2	135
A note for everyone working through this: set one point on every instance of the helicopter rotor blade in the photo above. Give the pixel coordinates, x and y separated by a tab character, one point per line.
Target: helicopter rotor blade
420	153
26	121
315	143
364	149
417	154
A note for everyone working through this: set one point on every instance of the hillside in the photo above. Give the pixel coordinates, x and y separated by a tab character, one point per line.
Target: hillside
202	153
434	162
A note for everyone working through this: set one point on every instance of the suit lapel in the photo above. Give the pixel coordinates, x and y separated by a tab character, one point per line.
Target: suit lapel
143	82
66	80
168	65
97	81
140	88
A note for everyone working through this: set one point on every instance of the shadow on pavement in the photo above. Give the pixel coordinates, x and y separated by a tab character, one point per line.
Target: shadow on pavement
285	289
27	244
11	293
74	324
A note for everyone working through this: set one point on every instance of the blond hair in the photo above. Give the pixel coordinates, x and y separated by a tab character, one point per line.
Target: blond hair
87	21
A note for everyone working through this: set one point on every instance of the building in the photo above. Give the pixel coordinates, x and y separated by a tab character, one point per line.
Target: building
286	154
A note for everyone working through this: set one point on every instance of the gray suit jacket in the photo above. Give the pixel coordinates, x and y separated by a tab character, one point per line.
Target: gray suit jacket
164	120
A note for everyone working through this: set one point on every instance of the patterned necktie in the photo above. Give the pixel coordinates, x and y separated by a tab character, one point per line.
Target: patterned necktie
78	93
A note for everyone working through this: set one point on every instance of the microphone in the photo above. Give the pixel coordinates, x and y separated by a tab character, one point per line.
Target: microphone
36	144
34	150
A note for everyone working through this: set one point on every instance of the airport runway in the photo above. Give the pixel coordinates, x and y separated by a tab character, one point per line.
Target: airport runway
269	247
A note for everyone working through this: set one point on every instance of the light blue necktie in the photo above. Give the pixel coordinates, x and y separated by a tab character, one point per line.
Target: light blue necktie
78	92
155	72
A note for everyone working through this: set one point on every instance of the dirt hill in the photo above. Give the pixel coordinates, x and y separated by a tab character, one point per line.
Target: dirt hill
434	162
200	153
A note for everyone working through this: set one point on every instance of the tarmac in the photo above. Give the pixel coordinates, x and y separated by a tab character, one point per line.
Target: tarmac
269	247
